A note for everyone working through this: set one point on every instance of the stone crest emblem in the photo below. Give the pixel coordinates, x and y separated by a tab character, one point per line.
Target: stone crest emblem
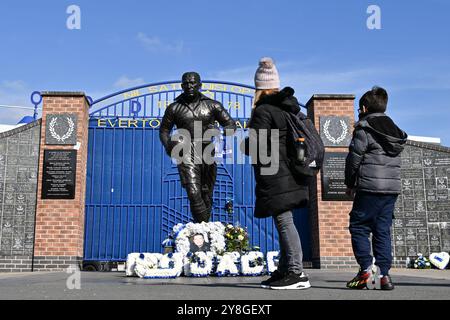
61	129
335	131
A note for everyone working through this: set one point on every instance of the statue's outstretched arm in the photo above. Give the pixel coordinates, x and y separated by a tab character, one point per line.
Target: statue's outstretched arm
167	124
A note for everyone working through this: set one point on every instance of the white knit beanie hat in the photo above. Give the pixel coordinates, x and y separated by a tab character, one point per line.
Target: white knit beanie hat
266	76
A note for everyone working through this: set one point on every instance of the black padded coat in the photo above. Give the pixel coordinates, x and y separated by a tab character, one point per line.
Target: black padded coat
281	191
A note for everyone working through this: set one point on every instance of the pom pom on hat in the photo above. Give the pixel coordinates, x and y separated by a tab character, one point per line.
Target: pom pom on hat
266	76
266	62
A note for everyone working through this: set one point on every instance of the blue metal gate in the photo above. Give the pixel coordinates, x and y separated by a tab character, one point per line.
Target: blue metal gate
134	196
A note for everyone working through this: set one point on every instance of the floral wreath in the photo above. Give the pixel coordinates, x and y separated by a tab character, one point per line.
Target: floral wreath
67	134
213	232
341	137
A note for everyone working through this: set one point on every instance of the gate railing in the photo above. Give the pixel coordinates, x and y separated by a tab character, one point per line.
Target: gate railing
150	101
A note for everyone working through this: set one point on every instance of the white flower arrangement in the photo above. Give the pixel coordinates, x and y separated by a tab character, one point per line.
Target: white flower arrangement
156	265
201	264
177	228
272	261
170	265
131	264
252	264
198	264
213	232
228	264
145	263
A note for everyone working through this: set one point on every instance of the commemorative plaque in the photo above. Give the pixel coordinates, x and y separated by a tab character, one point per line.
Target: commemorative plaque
422	219
335	131
18	184
59	174
61	129
333	177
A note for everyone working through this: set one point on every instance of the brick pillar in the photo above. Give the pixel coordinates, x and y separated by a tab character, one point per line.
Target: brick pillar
60	223
331	245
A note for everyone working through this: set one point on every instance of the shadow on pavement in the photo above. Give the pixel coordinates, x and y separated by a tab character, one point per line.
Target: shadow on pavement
402	284
447	285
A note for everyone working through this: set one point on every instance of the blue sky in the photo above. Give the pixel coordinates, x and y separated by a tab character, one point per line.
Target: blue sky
319	47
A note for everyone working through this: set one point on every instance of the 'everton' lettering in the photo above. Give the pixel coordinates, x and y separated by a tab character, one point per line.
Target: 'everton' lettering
153	123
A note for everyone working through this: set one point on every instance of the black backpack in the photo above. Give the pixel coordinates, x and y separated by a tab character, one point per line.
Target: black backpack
300	126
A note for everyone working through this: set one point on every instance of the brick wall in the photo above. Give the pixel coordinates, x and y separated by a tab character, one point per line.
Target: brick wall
16	263
331	245
60	223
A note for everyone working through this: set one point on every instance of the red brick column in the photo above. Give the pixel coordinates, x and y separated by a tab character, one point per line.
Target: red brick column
60	223
331	245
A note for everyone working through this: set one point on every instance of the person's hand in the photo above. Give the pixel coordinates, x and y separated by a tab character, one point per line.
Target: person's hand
350	192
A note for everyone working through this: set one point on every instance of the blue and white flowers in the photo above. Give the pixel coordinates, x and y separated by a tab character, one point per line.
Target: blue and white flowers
201	264
145	263
252	264
154	265
131	264
172	264
228	264
198	264
272	261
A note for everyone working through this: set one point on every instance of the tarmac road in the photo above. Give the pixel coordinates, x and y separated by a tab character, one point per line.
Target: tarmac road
326	285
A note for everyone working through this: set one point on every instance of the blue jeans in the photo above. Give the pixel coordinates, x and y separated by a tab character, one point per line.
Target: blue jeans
372	213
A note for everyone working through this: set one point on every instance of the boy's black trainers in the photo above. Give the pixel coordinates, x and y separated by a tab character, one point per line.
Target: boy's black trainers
362	279
276	275
291	281
386	283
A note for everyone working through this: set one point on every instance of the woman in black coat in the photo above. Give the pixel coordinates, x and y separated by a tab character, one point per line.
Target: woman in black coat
279	192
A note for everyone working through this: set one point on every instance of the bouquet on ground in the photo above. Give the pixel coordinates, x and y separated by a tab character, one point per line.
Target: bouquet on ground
421	262
236	239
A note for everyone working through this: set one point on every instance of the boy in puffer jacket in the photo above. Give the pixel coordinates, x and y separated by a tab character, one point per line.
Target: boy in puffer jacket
372	175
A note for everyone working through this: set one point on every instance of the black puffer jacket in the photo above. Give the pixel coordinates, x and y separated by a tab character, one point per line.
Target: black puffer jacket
281	191
373	163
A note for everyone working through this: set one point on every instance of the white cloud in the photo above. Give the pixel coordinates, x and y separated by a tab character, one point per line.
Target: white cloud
336	81
242	75
125	82
314	77
15	85
245	74
424	78
14	93
156	45
307	82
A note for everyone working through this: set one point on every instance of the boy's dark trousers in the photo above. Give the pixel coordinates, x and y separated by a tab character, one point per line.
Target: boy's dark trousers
372	213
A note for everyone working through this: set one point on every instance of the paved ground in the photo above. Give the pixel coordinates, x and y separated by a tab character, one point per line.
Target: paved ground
327	285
